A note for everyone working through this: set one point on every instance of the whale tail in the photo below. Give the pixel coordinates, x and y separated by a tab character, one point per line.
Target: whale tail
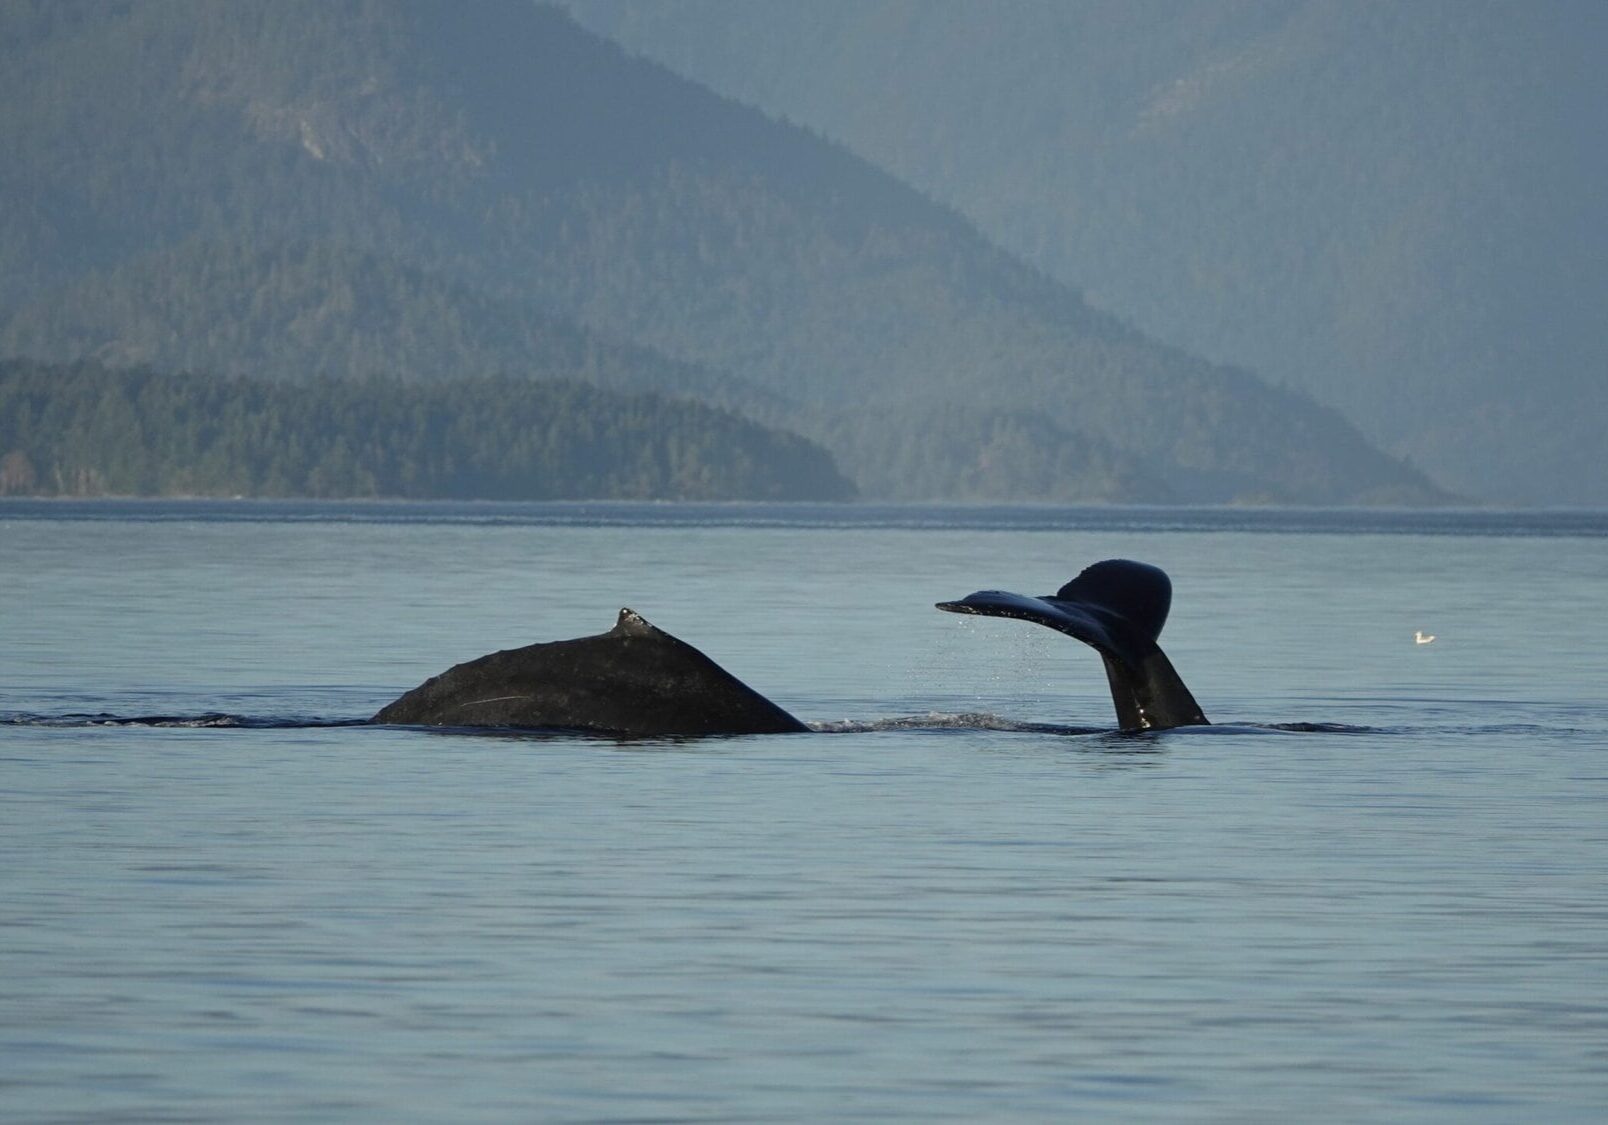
1118	608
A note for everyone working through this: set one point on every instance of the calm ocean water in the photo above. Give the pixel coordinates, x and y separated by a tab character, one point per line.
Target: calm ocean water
938	907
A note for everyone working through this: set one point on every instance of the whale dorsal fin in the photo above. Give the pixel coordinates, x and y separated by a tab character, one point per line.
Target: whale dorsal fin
1118	608
630	623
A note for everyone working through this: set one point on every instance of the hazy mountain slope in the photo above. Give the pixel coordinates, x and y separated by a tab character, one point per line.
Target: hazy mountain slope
298	309
534	171
1396	207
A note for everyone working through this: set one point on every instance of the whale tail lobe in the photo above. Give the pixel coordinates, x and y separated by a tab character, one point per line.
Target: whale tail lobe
1118	608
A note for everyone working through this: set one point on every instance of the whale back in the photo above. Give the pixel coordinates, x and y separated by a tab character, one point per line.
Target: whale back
635	681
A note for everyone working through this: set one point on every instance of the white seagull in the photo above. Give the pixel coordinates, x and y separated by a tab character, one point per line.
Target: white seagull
1421	637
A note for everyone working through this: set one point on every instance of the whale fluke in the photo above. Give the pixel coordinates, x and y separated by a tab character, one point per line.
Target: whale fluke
636	680
1118	608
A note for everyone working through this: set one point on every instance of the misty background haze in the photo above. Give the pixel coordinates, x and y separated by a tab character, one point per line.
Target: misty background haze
1272	252
1397	207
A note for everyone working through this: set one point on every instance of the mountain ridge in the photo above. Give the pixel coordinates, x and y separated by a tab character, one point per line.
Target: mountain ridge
589	187
1394	207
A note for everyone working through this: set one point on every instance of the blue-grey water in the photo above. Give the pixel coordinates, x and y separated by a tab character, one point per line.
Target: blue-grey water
946	904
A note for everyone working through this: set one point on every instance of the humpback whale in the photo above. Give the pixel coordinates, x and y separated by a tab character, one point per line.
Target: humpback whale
636	681
1117	607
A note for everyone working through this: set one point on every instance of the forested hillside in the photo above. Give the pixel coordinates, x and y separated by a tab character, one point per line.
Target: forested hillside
1397	207
83	430
427	192
297	309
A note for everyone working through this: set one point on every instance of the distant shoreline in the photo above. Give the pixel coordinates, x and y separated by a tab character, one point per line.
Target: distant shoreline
829	515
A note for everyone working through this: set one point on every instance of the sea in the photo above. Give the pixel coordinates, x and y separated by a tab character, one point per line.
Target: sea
1374	890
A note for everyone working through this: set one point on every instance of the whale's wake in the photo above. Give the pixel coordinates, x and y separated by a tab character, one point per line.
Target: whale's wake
205	720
